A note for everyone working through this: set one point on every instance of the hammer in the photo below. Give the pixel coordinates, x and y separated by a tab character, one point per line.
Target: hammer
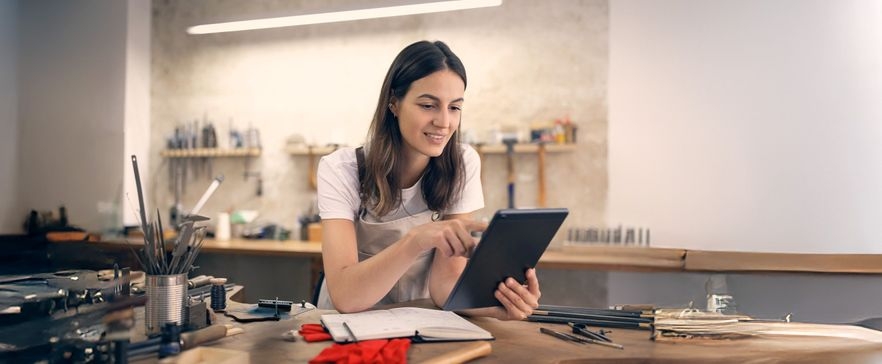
541	172
509	155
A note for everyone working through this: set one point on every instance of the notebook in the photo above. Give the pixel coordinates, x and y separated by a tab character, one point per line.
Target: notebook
420	324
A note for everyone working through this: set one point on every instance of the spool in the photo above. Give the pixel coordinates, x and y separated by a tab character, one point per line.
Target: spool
218	294
222	231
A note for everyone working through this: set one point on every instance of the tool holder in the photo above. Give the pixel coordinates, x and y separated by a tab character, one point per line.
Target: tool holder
166	302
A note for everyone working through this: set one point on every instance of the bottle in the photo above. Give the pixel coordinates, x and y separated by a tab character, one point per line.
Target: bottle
569	131
559	134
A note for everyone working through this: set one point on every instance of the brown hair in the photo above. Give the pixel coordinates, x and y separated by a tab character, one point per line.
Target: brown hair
444	178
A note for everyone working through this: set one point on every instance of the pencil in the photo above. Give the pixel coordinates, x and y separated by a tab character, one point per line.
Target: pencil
596	311
587	316
598	323
558	335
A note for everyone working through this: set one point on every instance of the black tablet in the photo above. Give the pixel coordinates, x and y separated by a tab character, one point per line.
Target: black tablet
512	243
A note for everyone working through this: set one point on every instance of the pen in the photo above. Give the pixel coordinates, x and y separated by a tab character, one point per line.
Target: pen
581	330
589	340
558	335
601	342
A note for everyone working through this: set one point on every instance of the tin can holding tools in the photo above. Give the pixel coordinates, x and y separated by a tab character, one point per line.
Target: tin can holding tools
166	302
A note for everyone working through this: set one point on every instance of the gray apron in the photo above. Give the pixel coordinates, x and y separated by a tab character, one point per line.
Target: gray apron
372	238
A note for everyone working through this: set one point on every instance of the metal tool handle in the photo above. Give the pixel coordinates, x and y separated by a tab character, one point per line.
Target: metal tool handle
195	338
464	354
205	196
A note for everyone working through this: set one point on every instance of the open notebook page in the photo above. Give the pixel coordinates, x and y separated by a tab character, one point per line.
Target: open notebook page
402	322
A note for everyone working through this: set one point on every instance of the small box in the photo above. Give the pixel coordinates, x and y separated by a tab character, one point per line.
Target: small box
197	315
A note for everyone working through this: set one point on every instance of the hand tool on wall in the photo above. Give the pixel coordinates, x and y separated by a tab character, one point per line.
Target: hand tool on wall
509	155
313	178
177	209
540	154
209	140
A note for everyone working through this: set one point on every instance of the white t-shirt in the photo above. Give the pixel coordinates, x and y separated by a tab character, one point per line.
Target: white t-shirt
338	188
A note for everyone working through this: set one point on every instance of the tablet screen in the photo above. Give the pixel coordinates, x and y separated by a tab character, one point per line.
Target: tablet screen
513	242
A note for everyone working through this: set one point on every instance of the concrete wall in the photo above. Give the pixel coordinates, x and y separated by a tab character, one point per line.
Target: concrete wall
10	220
527	61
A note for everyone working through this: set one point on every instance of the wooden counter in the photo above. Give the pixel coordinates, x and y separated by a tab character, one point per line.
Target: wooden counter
265	247
597	257
718	261
613	258
291	248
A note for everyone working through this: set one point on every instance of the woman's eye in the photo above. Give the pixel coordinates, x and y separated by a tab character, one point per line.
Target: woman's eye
427	106
456	108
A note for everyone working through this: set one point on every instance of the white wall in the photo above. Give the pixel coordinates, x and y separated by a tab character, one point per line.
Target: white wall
10	218
748	125
137	110
71	106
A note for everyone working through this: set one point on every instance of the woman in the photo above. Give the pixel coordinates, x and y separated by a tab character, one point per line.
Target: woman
396	223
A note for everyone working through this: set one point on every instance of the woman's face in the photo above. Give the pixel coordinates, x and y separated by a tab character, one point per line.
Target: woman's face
430	112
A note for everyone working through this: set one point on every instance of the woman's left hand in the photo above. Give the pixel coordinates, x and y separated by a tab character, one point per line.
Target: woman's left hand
518	300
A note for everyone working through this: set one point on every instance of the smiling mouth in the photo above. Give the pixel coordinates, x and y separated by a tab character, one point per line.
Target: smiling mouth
435	137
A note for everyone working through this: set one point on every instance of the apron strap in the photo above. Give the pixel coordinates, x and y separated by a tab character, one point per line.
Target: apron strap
359	161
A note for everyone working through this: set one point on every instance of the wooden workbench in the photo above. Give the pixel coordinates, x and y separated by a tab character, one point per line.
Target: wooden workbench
521	342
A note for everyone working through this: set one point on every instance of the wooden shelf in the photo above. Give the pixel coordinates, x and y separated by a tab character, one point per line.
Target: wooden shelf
210	152
307	150
525	148
486	149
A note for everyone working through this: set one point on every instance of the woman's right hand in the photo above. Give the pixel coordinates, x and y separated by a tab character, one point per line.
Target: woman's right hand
451	237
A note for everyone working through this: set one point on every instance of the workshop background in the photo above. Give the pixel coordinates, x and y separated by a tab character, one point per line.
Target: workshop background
319	85
86	83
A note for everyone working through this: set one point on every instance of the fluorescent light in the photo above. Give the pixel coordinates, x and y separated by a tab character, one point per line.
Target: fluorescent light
341	16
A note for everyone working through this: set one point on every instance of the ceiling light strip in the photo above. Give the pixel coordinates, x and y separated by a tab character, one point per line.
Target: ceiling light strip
341	16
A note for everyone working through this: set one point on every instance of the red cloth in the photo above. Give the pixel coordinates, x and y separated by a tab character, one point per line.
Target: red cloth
313	333
365	352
